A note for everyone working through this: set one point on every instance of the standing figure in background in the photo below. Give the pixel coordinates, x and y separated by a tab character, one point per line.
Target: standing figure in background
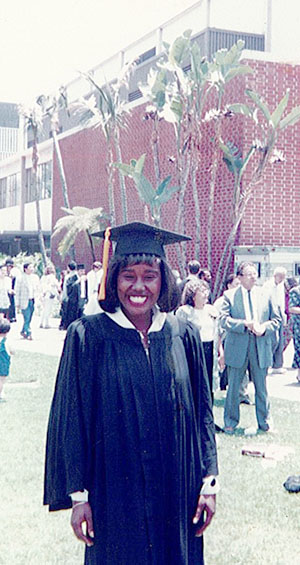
5	353
193	271
274	287
82	290
289	283
26	291
249	319
94	278
69	304
4	291
232	281
12	272
196	309
294	309
49	291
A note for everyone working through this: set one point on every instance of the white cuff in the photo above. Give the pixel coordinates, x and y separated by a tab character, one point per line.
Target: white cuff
210	485
80	496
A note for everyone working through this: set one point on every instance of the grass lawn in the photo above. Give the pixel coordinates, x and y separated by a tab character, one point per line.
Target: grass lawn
257	521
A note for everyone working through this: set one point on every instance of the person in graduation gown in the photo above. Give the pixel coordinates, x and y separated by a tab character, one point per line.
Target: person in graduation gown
130	443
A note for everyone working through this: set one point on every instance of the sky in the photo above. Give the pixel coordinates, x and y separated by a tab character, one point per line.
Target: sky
43	44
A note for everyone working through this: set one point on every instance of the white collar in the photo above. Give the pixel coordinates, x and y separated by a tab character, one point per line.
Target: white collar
119	317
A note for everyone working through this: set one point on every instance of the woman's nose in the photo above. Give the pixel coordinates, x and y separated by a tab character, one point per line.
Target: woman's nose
138	284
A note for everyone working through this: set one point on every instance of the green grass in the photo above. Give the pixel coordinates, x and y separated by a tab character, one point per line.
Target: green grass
257	521
30	535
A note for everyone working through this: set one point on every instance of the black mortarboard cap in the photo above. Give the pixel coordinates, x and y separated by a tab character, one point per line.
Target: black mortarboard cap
137	238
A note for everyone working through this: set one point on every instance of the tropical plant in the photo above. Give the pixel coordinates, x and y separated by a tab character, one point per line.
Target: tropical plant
51	105
188	91
106	109
33	120
78	219
248	170
153	197
180	92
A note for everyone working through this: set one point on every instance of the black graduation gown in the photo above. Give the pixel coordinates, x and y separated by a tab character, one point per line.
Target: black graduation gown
71	308
138	434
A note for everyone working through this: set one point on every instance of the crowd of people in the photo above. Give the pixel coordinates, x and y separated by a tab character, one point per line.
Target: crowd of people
131	431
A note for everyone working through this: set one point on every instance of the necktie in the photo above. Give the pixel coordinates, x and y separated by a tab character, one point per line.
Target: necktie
250	304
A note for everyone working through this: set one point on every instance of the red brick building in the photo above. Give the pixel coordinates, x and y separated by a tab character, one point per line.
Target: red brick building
271	220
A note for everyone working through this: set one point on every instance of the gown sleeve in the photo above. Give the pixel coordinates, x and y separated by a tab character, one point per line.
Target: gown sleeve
67	460
202	399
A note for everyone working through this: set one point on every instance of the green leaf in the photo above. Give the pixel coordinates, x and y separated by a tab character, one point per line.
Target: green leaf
166	195
144	187
140	164
291	119
257	99
179	51
163	185
237	71
125	169
241	109
276	116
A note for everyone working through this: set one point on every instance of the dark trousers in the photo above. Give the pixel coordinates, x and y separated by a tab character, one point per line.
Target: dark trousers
258	376
27	316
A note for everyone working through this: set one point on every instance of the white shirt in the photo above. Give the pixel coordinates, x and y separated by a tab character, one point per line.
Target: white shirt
253	294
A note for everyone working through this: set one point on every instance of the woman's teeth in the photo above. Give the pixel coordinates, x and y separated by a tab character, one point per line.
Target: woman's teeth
138	299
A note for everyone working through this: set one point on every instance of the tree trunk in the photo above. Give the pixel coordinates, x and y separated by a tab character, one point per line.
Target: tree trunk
155	151
35	158
110	175
61	171
121	177
211	200
90	240
197	212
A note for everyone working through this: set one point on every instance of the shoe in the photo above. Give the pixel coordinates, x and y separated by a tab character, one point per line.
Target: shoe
29	337
280	370
229	430
247	401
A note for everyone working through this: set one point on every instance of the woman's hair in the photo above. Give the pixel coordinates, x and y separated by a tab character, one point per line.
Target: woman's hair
191	288
169	294
49	269
291	282
4	325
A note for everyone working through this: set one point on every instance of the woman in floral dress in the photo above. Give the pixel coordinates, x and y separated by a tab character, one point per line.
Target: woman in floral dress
294	309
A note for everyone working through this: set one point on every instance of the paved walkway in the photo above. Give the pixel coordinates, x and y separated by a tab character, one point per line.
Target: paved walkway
50	342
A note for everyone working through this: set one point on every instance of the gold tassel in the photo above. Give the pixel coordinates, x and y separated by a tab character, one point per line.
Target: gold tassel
106	246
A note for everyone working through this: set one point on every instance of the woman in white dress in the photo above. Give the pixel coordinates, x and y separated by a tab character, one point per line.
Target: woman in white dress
50	290
196	309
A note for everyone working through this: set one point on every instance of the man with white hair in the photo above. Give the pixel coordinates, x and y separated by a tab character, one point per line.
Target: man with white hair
275	288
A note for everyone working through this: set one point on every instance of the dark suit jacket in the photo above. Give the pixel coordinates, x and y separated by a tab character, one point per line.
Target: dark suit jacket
237	336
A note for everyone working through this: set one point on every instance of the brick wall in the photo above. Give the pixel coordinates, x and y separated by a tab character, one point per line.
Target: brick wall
271	216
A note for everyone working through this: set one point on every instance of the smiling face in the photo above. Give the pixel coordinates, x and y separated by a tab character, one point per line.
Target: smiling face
138	288
248	277
201	298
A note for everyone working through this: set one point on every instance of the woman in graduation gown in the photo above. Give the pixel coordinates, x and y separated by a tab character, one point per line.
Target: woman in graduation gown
130	442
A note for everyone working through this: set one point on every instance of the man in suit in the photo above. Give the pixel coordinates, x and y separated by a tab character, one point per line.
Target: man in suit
249	318
26	291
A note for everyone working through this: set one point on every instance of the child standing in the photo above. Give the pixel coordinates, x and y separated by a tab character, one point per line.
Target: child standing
5	352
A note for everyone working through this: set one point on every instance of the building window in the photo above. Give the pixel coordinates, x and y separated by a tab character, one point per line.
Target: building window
13	190
3	190
43	187
296	269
